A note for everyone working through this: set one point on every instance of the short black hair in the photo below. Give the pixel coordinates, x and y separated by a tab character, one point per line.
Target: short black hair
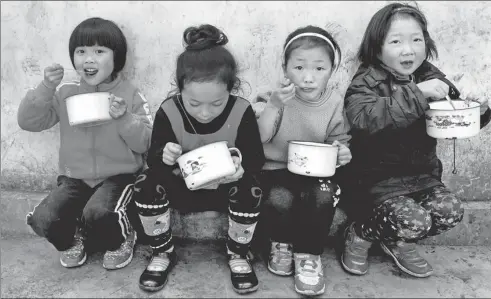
379	25
104	33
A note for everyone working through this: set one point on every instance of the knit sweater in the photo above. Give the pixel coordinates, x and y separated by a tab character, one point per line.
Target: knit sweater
324	121
91	153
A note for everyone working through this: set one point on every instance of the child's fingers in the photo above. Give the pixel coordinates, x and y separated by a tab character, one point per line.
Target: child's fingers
174	148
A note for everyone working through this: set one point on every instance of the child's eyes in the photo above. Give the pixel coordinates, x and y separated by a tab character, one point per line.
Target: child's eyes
320	68
79	51
418	39
193	104
99	51
217	104
394	42
298	67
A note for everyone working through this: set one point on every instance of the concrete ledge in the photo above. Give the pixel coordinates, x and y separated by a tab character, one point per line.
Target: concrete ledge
474	230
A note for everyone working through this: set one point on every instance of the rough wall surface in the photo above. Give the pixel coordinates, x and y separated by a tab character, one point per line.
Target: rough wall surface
35	34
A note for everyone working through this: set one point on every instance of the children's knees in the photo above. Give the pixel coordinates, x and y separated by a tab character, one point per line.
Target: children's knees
280	198
413	223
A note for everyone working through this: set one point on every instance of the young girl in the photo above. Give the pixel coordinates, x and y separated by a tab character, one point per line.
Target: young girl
96	163
202	111
395	166
300	209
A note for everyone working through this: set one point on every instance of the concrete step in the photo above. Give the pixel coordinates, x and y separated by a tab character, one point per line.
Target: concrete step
31	268
475	229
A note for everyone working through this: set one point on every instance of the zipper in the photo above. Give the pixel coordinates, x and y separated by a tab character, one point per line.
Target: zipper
94	158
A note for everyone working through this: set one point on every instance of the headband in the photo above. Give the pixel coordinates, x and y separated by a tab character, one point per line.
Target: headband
336	51
409	9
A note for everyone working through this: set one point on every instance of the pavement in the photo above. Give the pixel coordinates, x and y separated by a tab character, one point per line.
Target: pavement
31	268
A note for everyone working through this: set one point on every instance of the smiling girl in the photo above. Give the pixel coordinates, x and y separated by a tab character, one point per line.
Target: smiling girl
98	162
400	196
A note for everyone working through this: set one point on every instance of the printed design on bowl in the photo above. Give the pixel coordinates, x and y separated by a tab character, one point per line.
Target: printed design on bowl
192	167
443	121
299	160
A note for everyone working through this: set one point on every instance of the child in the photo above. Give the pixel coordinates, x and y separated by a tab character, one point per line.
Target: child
395	166
96	163
202	111
300	209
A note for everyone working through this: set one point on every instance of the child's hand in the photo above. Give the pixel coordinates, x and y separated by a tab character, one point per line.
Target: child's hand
53	75
344	154
117	106
434	88
238	173
283	94
172	151
258	108
470	90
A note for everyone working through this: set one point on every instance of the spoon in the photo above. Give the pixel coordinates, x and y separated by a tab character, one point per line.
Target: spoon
451	102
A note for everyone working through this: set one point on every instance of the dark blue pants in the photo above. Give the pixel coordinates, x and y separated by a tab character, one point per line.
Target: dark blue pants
101	213
298	209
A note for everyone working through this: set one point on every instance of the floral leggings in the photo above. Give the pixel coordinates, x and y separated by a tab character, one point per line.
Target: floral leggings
413	218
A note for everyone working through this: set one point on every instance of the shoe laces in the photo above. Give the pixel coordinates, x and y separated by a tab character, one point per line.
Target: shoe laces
77	247
309	265
127	245
281	253
239	264
159	262
359	246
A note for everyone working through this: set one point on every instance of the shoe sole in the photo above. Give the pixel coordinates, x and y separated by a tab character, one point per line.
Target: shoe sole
119	266
352	271
401	266
310	292
279	273
76	265
152	289
245	291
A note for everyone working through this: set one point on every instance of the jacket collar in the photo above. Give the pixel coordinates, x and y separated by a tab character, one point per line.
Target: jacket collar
101	87
425	72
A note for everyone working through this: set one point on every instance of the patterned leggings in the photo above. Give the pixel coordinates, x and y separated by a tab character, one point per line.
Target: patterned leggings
413	218
155	192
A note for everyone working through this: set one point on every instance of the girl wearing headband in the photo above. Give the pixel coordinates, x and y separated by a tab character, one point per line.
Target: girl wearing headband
300	209
395	166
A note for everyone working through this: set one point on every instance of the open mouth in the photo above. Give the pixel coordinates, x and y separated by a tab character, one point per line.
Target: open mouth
90	72
407	64
307	90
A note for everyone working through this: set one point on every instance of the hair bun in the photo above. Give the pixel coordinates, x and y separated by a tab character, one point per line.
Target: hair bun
204	37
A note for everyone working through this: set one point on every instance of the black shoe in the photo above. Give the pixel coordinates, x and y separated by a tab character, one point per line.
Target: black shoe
155	275
244	279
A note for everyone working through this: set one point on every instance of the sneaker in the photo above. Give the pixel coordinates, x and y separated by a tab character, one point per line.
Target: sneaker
355	254
74	256
407	258
281	259
155	275
309	276
122	256
244	279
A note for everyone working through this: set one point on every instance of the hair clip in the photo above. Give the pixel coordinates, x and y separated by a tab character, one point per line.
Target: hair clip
220	38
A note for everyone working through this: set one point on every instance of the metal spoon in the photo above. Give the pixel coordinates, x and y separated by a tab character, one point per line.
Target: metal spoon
451	102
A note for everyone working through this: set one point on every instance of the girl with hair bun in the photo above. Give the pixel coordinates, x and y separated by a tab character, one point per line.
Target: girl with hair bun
200	111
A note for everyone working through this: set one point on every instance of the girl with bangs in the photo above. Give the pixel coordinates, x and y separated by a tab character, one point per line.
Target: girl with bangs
98	162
